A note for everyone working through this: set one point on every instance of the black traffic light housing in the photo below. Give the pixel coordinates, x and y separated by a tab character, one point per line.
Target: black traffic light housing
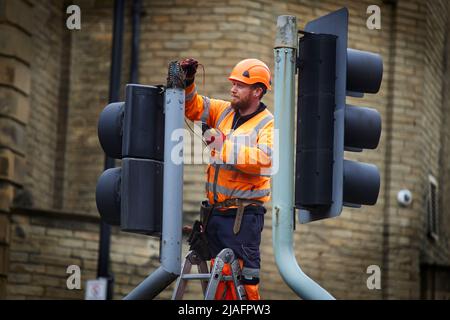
326	125
131	195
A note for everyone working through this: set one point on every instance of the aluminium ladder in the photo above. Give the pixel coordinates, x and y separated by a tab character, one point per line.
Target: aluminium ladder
210	281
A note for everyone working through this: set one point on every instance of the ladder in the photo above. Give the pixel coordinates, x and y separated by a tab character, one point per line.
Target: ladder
210	281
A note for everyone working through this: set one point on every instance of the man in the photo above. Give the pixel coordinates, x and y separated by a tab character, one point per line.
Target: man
238	183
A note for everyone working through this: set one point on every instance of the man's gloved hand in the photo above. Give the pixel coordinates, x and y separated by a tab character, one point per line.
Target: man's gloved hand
198	241
214	138
189	66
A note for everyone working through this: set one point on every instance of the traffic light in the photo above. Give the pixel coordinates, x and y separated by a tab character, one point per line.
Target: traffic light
326	125
131	195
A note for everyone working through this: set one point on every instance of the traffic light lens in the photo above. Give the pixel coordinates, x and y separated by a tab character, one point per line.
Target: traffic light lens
364	71
362	127
110	129
361	183
107	196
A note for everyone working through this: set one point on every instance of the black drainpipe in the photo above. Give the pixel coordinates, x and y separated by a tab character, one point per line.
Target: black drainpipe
114	96
136	22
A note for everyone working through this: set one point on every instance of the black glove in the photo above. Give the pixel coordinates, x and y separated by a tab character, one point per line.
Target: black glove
189	66
198	241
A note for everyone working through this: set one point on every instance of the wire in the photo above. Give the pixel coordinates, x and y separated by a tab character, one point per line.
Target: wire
201	137
203	75
183	77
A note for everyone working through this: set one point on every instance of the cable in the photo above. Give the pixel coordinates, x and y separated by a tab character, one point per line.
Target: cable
201	137
181	76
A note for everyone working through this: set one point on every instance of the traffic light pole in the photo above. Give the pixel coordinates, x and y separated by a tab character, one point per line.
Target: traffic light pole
283	180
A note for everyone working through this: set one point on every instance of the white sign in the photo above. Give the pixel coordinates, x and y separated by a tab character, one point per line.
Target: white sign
96	289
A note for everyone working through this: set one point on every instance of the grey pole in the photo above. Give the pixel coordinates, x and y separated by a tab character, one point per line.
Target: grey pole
172	193
152	285
283	180
173	181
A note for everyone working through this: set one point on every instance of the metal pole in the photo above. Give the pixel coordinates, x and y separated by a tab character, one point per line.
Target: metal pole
173	182
283	180
114	85
152	285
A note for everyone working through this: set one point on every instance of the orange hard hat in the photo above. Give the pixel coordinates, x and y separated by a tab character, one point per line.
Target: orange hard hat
251	71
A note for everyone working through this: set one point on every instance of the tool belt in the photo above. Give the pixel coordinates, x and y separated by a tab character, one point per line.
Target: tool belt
197	239
240	204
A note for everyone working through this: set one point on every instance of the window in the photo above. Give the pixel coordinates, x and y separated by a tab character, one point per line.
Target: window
432	208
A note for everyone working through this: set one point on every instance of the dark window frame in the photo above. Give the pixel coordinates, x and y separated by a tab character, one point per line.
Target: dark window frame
433	208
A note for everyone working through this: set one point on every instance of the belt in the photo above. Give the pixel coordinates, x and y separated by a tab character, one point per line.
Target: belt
241	204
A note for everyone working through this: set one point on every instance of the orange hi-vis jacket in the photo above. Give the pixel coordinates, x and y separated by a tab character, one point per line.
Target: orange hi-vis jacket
244	162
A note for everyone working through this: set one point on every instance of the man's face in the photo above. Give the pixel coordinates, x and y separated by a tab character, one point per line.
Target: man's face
241	94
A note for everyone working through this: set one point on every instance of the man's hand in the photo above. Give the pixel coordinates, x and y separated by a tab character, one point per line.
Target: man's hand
190	67
214	138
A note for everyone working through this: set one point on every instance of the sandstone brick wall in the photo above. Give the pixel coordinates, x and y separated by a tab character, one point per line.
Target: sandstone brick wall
44	244
434	126
47	47
63	156
15	59
414	140
445	142
400	259
88	95
435	251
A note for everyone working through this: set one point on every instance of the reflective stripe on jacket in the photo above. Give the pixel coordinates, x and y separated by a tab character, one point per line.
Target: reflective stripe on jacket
245	160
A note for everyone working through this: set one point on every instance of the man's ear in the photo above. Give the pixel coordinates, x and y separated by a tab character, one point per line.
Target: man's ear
258	92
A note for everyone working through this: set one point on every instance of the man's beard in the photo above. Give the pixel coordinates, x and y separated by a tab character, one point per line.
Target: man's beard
242	104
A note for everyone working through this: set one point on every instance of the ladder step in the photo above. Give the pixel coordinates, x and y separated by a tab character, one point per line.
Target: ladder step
203	276
196	276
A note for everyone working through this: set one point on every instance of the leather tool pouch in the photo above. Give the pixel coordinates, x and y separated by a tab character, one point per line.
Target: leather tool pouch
198	242
197	239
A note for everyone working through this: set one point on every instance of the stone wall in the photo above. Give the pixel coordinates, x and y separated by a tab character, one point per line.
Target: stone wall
15	90
50	157
45	243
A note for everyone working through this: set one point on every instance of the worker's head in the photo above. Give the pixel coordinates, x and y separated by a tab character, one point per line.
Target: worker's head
250	80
